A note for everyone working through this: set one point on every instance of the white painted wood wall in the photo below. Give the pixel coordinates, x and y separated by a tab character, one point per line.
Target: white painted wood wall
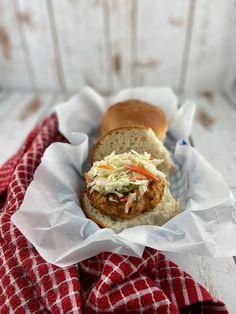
112	44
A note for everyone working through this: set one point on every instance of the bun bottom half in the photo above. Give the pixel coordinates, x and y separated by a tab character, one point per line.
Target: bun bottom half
166	209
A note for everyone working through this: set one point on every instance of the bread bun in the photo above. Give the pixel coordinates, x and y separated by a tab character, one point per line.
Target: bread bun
166	209
138	138
136	113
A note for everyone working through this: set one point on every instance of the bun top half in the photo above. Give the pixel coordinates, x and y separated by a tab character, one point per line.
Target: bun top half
134	113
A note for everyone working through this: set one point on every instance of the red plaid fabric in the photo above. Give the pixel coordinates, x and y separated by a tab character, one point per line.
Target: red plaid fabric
106	283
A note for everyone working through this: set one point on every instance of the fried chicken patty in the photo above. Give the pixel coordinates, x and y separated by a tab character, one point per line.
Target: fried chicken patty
144	203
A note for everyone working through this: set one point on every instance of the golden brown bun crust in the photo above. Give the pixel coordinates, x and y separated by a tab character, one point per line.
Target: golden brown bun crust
136	113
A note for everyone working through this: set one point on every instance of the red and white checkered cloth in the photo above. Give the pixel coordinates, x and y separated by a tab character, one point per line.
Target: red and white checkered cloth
106	283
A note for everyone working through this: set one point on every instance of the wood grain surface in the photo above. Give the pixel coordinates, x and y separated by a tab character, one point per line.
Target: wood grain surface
19	112
110	44
214	134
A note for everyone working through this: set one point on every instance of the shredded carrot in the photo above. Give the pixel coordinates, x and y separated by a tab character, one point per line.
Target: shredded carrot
144	172
87	178
107	167
139	177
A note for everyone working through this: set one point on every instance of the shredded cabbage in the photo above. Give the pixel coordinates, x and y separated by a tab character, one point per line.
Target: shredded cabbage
111	176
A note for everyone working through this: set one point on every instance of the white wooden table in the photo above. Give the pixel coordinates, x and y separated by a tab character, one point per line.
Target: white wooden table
214	135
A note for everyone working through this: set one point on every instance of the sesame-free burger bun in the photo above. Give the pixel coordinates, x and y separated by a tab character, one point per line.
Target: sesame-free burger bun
136	113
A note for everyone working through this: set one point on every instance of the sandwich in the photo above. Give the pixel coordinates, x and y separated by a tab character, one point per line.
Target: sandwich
127	184
126	190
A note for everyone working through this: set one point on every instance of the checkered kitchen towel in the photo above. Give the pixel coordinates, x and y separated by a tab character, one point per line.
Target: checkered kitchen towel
106	283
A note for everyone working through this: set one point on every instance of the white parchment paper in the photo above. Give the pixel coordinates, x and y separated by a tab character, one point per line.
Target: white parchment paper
51	218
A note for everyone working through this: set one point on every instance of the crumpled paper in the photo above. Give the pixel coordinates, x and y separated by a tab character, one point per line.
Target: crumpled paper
51	217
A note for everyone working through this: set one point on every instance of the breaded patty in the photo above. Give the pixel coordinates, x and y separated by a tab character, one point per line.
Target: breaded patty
144	203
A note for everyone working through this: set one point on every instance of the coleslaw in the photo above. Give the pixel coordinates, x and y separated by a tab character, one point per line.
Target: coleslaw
124	173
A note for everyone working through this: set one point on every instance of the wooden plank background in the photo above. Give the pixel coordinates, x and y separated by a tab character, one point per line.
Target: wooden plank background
51	45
